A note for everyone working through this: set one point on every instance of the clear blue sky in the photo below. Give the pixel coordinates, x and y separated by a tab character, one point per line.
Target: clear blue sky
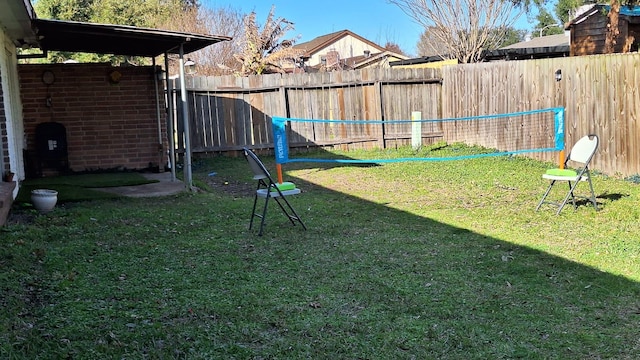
375	20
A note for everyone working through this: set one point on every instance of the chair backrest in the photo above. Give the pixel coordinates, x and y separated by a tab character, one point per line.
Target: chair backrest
257	167
584	149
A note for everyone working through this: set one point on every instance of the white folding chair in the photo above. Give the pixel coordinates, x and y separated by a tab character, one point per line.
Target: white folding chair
581	153
269	189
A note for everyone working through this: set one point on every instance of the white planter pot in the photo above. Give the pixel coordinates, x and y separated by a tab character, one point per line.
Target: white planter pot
44	200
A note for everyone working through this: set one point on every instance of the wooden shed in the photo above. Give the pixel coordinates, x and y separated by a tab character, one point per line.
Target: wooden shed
589	30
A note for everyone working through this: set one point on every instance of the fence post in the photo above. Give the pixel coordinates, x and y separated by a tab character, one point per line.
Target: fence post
416	129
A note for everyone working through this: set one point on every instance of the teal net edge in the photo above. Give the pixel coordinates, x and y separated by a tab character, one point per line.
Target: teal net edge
281	147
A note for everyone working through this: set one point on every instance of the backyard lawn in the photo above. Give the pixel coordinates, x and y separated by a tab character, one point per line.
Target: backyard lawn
413	260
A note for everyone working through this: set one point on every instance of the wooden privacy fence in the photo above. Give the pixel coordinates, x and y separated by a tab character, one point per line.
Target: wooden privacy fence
230	112
600	94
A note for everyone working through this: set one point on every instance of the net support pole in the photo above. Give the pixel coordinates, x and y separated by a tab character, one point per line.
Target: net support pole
279	173
559	130
416	130
280	147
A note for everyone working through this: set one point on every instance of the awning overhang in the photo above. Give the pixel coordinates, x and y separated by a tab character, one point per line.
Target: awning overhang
73	36
15	20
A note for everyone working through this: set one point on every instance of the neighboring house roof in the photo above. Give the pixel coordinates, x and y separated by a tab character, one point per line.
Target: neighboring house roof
321	42
433	62
536	48
361	61
541	42
417	61
76	36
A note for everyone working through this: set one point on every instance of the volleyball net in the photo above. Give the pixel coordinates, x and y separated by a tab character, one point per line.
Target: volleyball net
487	135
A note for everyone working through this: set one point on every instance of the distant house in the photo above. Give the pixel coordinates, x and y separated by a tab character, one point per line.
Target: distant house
344	50
589	29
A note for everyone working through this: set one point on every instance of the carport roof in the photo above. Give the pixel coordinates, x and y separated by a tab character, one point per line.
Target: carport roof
58	35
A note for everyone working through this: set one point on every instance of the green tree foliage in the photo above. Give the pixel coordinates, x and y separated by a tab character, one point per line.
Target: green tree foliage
547	24
511	36
74	10
565	9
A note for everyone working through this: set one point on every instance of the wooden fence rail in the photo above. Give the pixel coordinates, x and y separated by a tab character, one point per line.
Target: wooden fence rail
600	95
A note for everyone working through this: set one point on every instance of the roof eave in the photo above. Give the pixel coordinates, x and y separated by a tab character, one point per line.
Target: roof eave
15	19
58	35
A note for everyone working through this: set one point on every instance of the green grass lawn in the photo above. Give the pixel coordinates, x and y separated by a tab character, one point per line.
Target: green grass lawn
424	260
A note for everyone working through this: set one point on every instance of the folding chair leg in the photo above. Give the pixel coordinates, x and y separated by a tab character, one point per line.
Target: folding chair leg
253	211
566	198
593	195
545	195
264	215
254	214
291	214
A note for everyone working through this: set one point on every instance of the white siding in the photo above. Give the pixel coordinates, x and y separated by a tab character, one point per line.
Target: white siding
12	107
347	47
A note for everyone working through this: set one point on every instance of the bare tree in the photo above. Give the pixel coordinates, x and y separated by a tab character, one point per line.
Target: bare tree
217	59
394	47
429	43
263	51
463	27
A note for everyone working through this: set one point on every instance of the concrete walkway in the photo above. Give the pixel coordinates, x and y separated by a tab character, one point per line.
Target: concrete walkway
163	187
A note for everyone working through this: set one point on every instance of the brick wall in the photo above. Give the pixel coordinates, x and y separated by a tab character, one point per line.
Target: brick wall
110	124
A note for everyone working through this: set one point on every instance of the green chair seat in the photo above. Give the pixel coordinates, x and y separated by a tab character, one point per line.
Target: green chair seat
284	186
562	172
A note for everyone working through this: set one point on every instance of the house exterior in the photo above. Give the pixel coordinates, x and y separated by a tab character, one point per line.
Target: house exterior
588	30
15	31
343	50
110	115
113	117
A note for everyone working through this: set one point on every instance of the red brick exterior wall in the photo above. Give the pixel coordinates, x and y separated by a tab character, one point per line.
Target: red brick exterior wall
109	124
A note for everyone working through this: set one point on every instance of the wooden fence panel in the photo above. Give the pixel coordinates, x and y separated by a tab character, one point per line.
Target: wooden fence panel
599	93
